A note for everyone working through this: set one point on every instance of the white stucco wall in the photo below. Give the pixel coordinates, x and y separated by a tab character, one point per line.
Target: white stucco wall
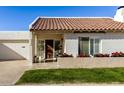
113	43
110	42
14	35
14	45
71	45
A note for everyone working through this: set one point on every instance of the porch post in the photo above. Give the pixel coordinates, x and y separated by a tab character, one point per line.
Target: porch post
64	45
30	49
35	45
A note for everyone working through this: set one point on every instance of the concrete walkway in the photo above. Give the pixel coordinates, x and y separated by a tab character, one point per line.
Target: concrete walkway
82	63
11	71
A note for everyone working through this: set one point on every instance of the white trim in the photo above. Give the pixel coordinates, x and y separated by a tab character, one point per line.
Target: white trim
73	17
30	26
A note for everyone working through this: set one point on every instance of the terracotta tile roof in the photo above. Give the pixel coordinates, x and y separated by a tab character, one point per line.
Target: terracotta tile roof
77	25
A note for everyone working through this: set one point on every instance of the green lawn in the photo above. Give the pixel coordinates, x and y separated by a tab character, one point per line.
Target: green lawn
59	76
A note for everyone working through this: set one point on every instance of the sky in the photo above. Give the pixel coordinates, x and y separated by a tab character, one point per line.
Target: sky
18	18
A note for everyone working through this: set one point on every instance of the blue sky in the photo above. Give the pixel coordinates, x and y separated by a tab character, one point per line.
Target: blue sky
19	17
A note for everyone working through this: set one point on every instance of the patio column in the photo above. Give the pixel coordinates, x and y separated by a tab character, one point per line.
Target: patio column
35	45
30	50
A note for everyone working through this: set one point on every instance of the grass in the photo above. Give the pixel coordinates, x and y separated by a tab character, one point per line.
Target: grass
59	76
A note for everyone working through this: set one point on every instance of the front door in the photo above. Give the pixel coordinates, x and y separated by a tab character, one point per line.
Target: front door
48	49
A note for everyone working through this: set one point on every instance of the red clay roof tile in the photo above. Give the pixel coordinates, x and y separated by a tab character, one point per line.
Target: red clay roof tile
77	24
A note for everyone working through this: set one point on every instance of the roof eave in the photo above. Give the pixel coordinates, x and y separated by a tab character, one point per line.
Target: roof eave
78	31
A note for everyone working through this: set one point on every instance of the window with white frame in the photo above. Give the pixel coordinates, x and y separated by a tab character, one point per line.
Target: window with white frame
40	48
58	47
94	46
91	46
84	46
88	46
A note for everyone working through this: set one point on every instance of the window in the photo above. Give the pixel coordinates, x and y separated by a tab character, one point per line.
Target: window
40	48
58	47
83	46
91	46
94	46
96	50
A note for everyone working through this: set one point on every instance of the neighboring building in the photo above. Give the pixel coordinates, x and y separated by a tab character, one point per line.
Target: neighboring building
71	35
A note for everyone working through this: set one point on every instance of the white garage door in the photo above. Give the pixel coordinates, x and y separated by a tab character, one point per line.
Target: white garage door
14	49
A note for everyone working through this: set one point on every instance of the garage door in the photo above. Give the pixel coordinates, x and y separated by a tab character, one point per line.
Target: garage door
14	49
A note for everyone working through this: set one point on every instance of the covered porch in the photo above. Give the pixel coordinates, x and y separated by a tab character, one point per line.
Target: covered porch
47	46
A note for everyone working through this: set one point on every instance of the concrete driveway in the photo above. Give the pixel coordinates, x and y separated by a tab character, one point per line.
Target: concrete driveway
11	71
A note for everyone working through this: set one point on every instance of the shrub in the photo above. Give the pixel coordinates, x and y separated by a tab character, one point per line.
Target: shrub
117	54
66	55
101	55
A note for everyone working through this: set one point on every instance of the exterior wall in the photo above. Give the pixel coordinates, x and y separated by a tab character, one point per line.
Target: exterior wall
14	45
14	35
110	42
113	43
71	44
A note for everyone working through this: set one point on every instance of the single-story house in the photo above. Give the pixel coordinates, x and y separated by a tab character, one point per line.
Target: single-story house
48	36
